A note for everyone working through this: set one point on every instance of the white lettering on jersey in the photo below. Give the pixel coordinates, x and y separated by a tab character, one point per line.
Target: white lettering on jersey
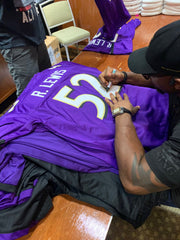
49	82
100	42
39	94
64	94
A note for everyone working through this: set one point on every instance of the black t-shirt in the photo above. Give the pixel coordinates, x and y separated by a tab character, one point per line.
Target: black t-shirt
165	159
20	26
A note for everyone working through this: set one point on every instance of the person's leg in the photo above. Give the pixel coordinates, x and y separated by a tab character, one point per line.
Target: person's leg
23	64
43	57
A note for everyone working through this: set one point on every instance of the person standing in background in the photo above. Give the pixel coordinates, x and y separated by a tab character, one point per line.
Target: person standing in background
22	36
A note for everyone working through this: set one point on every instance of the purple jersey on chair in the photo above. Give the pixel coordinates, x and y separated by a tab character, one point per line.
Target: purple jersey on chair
114	15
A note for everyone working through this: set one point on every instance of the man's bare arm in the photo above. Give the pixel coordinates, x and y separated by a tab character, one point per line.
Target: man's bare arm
134	171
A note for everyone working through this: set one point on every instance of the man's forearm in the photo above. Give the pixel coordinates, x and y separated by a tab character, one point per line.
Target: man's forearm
138	80
128	148
134	171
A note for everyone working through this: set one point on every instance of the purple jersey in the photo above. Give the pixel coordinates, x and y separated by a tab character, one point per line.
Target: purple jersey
122	43
61	118
114	15
65	106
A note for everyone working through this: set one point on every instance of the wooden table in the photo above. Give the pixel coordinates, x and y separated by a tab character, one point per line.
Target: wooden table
71	219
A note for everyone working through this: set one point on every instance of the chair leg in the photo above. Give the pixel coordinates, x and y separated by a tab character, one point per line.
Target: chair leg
67	53
77	48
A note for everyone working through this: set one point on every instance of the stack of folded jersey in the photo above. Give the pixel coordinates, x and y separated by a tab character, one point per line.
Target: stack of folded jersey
133	6
151	7
171	7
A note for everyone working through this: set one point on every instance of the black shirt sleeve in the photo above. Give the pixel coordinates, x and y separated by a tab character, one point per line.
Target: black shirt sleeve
165	159
165	163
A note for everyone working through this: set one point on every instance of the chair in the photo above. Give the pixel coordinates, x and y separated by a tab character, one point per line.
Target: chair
56	14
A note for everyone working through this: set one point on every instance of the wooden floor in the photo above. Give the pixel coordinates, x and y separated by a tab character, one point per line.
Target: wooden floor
71	219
